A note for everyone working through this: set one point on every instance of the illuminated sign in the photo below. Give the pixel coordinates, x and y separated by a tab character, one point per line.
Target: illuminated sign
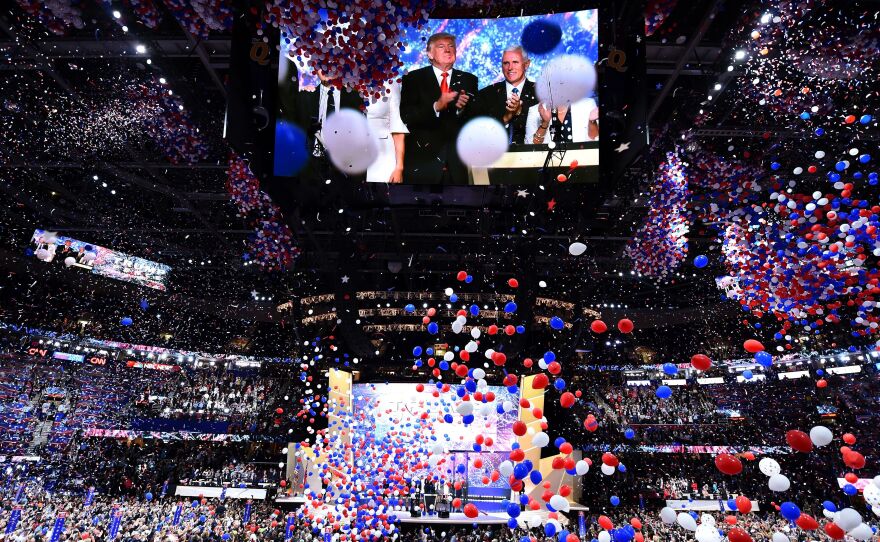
134	364
69	357
100	260
97	360
38	352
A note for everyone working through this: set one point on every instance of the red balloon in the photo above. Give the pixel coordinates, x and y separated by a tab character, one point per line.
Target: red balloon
456	503
821	383
605	523
625	325
738	535
743	504
513	283
851	477
572	538
701	362
854	460
799	441
462	275
752	346
540	381
609	459
807	523
519	428
636	523
470	510
566	399
849	438
279	410
639	537
566	447
730	520
598	326
728	464
835	532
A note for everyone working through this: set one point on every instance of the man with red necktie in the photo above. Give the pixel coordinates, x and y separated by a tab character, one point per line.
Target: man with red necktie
435	102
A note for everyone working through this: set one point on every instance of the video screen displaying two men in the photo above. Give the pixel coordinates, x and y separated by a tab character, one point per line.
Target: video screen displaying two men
455	71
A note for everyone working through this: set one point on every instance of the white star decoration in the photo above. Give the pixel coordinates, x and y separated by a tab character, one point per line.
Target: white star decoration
522	193
344	279
622	147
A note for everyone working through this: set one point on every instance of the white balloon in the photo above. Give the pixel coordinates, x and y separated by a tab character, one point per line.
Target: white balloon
505	468
566	79
769	466
481	142
848	519
876	480
707	519
604	536
872	495
577	248
779	537
686	521
821	435
68	261
827	514
779	482
862	532
560	503
707	533
465	408
449	356
42	254
475	332
508	406
540	440
667	515
582	467
607	470
479	374
456	327
349	141
488	353
471	347
535	521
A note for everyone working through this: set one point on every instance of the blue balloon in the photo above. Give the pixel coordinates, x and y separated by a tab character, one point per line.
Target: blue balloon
126	321
541	36
559	384
790	511
453	298
510	307
417	351
559	441
764	358
520	471
513	510
475	310
830	506
630	434
670	369
865	119
664	392
290	149
144	304
850	489
557	323
747	374
621	467
410	308
701	261
433	328
731	504
550	529
535	477
512	523
148	496
615	500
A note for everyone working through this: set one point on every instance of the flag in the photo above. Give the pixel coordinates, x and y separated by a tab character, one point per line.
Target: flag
291	523
115	521
247	512
19	493
58	528
13	519
582	525
90	496
177	512
164	488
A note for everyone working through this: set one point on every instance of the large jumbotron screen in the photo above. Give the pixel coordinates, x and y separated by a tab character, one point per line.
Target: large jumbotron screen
400	407
480	46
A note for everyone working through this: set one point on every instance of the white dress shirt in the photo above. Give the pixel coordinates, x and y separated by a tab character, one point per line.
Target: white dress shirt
438	73
519	87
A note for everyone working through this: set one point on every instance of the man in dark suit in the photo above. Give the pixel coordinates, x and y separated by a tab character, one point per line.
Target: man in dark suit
509	101
312	109
435	102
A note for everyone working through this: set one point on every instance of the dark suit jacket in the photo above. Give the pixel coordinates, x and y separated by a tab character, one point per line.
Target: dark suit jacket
307	119
430	144
493	99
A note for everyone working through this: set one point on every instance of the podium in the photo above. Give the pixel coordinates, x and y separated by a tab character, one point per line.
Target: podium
520	165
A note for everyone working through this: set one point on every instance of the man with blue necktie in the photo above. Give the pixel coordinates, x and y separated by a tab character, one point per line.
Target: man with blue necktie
508	101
